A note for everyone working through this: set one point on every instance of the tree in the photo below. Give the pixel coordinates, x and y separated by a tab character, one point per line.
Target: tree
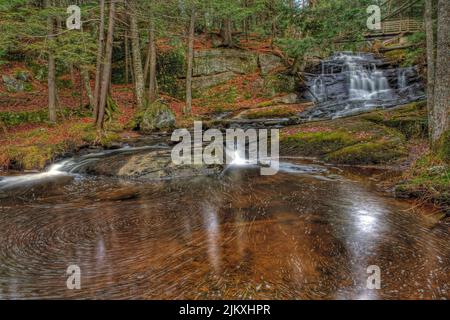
100	52
190	63
442	73
51	76
227	32
151	69
136	53
106	71
430	61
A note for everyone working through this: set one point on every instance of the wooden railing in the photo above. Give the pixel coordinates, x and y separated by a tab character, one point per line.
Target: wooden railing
399	26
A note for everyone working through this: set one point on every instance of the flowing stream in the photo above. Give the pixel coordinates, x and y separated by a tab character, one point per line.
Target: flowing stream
309	232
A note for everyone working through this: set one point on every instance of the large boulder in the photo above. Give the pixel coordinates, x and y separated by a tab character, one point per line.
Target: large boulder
157	116
269	62
148	164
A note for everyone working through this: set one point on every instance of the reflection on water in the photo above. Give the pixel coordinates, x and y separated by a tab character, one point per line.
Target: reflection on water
301	234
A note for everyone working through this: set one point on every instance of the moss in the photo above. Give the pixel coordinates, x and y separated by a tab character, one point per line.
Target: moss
30	157
278	83
373	152
10	118
265	104
411	120
396	56
34	149
428	178
354	140
443	149
271	113
319	143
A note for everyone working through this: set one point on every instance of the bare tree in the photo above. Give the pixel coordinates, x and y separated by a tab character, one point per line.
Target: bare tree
152	87
87	85
136	53
100	52
51	77
190	63
106	72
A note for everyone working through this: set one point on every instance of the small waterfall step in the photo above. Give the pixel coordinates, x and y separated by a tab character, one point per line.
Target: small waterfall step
350	83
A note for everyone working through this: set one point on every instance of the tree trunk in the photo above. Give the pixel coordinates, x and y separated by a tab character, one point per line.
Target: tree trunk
152	87
87	86
51	77
100	51
136	53
430	62
106	72
190	63
127	63
227	33
442	83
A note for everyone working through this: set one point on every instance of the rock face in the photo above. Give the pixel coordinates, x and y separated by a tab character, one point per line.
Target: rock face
269	62
157	116
212	80
215	66
210	62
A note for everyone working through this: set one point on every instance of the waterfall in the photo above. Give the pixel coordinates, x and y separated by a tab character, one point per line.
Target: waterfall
366	81
319	89
349	83
402	80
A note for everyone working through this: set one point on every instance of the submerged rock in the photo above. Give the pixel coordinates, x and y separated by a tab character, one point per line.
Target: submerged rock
149	165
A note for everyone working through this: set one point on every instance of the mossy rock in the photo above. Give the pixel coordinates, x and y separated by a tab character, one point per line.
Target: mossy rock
411	120
353	140
319	143
270	113
30	157
373	152
396	56
279	83
156	116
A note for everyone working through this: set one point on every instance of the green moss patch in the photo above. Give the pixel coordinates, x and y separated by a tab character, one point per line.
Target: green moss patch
345	141
373	152
428	178
319	143
275	112
34	149
411	119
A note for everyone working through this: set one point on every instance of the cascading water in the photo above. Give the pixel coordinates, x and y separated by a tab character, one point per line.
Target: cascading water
350	83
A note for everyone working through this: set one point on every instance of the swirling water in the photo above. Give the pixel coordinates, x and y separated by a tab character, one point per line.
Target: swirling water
309	232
